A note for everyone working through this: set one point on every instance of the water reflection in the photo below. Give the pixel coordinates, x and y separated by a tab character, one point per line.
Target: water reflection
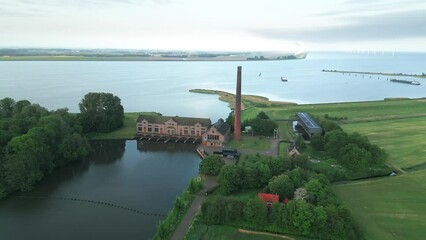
125	174
148	146
107	152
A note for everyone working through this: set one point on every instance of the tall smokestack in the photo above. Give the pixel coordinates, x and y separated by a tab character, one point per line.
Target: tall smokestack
237	110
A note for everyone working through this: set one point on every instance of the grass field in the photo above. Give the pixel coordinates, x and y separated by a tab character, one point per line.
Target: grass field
248	142
355	112
402	139
128	131
390	207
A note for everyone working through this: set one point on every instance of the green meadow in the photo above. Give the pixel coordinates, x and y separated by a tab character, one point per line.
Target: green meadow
390	207
403	139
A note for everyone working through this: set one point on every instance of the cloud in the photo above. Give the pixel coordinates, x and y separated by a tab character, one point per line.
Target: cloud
387	26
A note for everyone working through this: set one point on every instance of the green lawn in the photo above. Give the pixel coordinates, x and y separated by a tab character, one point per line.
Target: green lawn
390	207
402	139
128	131
357	111
248	142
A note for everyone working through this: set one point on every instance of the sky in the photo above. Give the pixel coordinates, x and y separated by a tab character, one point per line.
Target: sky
216	25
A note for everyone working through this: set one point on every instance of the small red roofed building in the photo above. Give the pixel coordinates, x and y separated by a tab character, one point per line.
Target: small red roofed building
268	198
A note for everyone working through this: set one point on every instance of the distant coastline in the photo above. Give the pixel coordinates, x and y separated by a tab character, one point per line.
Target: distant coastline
141	55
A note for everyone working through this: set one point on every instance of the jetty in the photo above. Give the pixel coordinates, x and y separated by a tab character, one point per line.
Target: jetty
423	75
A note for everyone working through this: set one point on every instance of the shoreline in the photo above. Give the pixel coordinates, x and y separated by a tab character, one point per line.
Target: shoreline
247	100
376	73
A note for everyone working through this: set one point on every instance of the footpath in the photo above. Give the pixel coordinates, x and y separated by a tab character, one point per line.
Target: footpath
210	183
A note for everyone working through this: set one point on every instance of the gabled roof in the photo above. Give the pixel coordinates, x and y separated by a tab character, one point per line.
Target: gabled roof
267	197
221	126
205	122
308	121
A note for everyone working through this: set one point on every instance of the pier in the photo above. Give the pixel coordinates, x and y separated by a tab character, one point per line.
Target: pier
376	73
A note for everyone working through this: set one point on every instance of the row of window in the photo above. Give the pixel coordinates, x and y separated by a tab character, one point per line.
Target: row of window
212	137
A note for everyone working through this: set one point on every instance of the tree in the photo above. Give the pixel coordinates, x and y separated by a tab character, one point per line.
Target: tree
256	212
262	115
101	112
319	192
300	194
303	217
211	165
264	173
354	158
334	142
6	107
282	186
231	179
300	142
264	127
230	120
317	142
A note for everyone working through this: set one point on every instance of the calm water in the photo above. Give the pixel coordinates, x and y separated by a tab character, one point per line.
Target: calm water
145	179
163	86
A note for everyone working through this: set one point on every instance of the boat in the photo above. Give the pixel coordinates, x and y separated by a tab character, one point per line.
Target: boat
284	79
405	81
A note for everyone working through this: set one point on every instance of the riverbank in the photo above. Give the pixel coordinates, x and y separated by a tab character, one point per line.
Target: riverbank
423	75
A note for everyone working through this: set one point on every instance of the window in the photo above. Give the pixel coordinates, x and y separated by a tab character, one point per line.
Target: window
149	129
192	132
139	129
186	132
213	137
156	129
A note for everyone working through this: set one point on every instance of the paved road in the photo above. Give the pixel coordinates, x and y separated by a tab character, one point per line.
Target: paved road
210	183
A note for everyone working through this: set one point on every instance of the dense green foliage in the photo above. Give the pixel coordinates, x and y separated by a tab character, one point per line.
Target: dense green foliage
166	228
316	219
34	141
211	165
261	125
195	185
353	151
101	112
231	178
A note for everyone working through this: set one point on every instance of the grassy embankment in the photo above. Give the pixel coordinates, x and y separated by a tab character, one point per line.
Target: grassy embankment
390	207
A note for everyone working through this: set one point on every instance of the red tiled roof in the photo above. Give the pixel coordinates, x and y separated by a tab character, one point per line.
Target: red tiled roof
267	197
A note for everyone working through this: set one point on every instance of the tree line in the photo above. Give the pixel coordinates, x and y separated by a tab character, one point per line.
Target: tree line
35	141
261	125
306	206
353	151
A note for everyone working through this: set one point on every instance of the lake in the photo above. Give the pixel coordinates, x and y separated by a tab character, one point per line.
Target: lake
164	86
146	179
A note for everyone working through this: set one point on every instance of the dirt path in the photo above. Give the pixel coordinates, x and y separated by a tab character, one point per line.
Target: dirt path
265	233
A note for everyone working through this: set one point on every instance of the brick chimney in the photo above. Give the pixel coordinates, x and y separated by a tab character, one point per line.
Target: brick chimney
237	110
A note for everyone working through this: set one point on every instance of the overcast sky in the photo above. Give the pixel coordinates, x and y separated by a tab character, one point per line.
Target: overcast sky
376	25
